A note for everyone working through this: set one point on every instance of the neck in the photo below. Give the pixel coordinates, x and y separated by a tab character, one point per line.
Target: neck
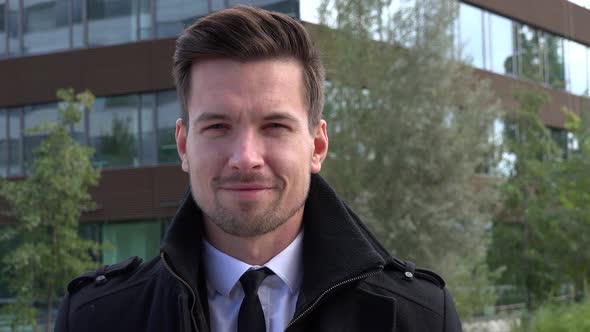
256	250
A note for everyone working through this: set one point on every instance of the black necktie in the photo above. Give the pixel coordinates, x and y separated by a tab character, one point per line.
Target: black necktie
251	317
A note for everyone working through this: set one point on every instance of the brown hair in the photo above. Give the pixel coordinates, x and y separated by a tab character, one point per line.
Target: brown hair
247	33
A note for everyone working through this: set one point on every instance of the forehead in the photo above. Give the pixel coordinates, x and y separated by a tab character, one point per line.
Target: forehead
227	81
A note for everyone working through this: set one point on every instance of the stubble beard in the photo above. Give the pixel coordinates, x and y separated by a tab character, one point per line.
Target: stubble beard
251	220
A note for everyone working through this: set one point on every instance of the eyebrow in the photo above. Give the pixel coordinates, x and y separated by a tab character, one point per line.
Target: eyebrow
275	116
210	116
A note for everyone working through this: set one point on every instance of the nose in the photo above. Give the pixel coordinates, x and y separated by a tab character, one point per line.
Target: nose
246	152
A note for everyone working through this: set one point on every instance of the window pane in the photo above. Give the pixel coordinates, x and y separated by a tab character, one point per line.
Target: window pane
13	23
36	116
172	16
217	4
529	53
15	142
577	63
78	131
145	20
2	28
501	45
111	22
471	36
290	7
148	137
77	24
3	144
113	131
554	64
168	112
130	239
45	25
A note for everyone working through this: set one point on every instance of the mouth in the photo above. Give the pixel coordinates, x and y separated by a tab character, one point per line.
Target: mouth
245	191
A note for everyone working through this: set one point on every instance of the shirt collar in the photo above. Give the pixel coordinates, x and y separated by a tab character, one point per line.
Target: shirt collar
224	271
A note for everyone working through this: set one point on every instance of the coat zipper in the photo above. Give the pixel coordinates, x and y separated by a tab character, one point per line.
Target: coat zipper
187	286
329	290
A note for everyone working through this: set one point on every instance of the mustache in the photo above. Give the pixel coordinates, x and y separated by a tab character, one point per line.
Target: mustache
243	177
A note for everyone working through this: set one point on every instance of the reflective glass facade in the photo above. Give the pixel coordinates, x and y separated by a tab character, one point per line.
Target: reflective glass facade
114	130
577	61
172	16
3	22
34	118
168	113
111	22
122	240
43	26
498	44
126	131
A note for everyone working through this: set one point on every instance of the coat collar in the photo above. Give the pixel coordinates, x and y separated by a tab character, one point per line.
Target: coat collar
336	245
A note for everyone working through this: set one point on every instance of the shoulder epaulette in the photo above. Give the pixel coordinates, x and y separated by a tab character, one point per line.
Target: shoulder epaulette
104	274
410	271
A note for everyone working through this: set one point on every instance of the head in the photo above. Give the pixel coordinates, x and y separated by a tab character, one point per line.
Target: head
251	87
246	34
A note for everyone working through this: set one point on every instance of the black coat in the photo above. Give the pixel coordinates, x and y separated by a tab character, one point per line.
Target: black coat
350	283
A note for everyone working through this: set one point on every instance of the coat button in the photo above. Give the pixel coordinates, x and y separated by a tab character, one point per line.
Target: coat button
409	274
100	279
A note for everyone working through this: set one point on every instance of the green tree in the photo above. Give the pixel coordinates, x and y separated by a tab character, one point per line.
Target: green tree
571	222
525	226
46	207
410	129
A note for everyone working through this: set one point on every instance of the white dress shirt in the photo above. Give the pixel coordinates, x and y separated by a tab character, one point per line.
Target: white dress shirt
278	293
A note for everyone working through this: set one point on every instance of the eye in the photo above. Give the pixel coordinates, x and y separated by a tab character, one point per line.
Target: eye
215	129
276	125
216	126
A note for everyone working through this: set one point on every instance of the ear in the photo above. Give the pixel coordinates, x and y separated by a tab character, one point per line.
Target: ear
181	132
320	146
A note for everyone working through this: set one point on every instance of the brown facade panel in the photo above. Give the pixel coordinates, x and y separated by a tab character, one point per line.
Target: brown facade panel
551	113
557	16
138	193
131	194
120	69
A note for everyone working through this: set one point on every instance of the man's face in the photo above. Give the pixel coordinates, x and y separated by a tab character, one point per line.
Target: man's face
248	150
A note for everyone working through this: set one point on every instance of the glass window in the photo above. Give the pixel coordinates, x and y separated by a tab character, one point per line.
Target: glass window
78	130
45	25
15	142
145	19
148	137
471	35
36	116
2	28
123	240
77	24
3	144
529	53
111	22
172	16
114	131
13	27
500	45
168	112
552	47
289	7
217	4
577	67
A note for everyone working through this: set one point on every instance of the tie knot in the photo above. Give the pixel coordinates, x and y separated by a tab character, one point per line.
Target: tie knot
252	279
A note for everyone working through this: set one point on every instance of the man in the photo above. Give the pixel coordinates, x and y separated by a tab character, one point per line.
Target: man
260	242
